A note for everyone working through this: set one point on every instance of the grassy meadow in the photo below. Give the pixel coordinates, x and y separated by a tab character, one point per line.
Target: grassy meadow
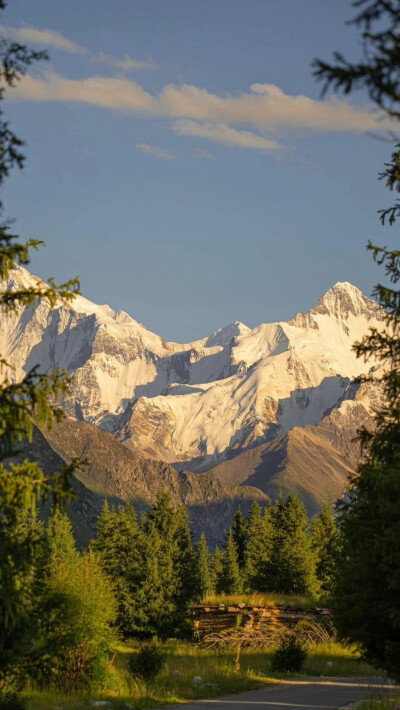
216	668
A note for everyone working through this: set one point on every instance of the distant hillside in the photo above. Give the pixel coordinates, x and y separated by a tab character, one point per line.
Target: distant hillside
121	475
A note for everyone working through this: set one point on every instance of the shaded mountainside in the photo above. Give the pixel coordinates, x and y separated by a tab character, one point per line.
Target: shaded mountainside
116	473
313	461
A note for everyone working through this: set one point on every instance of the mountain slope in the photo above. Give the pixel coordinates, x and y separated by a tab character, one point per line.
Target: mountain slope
121	476
196	404
313	461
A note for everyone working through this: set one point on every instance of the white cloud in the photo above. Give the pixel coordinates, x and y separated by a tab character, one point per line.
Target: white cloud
197	112
98	91
155	151
46	38
222	133
125	64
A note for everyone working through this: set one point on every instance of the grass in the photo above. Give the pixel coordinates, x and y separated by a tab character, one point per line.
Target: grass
388	702
216	668
292	600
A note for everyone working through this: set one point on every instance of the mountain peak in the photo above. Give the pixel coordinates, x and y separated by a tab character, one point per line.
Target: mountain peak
224	336
345	299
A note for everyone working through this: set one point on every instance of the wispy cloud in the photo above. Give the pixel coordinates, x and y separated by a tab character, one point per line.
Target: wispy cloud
221	133
155	151
204	154
46	38
125	64
200	113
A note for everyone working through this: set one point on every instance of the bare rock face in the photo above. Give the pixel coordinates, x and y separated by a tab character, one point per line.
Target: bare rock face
286	387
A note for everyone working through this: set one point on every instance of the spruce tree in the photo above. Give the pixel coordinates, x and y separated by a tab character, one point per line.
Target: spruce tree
76	609
168	562
292	568
367	603
326	544
119	550
258	550
184	565
33	398
230	581
216	569
239	533
203	567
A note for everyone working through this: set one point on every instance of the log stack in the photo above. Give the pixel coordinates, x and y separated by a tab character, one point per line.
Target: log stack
209	619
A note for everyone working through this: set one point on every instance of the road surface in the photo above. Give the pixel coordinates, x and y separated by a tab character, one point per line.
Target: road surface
311	694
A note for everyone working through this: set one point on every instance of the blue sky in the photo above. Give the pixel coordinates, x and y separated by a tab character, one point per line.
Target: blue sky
180	160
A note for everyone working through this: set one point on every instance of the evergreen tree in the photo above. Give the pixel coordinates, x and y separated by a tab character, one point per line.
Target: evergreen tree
153	566
258	550
75	610
239	533
184	565
292	568
216	569
325	542
203	566
34	398
119	549
367	604
230	581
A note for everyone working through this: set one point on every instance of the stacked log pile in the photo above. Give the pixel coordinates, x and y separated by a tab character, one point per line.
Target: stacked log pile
216	619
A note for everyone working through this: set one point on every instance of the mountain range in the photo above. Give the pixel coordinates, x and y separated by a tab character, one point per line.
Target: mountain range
237	415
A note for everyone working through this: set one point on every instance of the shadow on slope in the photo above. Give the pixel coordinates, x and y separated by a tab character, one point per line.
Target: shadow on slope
120	475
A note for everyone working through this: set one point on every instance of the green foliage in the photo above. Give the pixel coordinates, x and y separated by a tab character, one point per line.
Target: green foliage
258	550
367	603
75	610
12	701
230	581
292	567
148	661
216	568
326	544
20	538
119	547
34	398
153	566
239	534
203	565
290	654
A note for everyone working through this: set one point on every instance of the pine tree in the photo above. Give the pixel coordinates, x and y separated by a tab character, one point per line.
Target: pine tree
119	549
216	569
167	579
185	566
367	604
34	398
258	550
230	581
76	609
292	569
239	533
326	544
203	566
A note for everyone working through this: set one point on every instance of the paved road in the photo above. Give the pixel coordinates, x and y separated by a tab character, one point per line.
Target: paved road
313	694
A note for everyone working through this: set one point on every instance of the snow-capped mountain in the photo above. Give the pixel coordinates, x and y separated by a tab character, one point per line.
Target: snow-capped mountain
199	403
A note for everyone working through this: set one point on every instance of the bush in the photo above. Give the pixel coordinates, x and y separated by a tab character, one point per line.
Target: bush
11	701
290	654
147	662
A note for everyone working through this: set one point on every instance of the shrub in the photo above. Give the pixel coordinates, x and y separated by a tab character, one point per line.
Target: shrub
11	701
290	654
148	661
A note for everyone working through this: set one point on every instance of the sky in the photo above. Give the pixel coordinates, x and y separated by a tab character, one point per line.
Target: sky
181	161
